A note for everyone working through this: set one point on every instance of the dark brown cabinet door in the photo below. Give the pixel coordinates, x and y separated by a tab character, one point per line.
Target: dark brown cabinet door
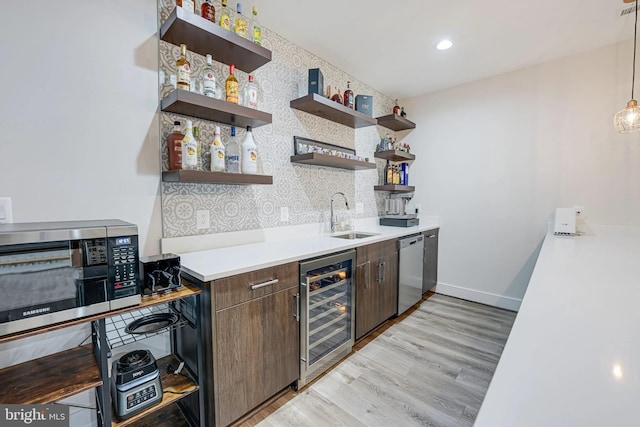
376	285
430	269
257	352
388	286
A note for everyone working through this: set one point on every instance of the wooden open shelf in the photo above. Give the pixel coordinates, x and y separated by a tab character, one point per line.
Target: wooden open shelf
330	110
394	155
50	378
170	383
169	416
185	291
215	177
192	104
395	188
395	122
319	159
202	36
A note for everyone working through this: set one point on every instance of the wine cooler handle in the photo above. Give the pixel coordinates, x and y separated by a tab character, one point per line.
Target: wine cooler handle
297	315
262	285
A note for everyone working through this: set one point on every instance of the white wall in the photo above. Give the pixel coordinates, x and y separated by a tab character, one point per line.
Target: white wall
78	112
497	156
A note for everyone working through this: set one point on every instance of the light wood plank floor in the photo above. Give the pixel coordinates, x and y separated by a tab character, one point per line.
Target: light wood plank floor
431	367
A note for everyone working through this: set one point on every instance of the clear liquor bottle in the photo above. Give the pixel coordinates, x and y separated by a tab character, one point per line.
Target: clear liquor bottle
240	23
251	94
256	29
225	16
232	153
209	79
183	69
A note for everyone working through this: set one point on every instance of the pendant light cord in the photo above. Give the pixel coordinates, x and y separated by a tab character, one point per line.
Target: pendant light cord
635	35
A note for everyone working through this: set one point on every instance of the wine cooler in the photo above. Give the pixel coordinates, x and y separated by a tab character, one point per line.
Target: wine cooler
327	298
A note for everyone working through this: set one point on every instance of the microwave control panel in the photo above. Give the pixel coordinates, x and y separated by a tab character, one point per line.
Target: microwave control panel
123	266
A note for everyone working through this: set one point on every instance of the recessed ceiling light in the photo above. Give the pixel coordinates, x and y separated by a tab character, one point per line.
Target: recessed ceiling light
444	44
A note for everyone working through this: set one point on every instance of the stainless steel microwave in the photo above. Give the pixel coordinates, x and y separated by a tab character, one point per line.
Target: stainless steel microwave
56	271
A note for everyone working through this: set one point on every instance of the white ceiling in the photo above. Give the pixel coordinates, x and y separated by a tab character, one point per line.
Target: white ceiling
390	44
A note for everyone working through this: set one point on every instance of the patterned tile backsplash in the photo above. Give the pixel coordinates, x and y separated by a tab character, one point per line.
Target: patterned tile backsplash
305	190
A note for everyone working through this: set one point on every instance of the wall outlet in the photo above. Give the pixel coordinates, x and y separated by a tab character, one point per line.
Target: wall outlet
6	210
203	220
359	207
580	214
284	213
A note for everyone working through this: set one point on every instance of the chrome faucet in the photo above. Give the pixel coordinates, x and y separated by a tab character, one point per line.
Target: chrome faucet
334	220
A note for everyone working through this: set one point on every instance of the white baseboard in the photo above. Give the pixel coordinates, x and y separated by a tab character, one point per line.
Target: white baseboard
482	297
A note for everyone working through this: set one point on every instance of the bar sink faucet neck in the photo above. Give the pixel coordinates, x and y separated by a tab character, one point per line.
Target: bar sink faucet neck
334	220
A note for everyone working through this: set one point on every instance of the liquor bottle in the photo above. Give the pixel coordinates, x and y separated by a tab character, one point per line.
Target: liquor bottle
396	108
349	100
196	138
402	113
388	174
225	16
209	78
396	175
337	97
183	69
257	29
251	94
232	152
189	149
240	26
174	145
207	11
189	5
249	154
231	86
217	153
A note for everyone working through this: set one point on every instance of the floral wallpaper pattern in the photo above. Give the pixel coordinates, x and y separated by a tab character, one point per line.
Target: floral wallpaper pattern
305	190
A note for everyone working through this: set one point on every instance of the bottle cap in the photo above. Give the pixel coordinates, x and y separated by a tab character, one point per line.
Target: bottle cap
255	10
176	123
189	124
250	77
217	130
239	7
196	131
233	131
209	58
248	128
232	68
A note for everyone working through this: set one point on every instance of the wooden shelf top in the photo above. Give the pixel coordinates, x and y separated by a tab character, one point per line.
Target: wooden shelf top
147	301
187	103
204	177
394	155
395	122
180	385
202	36
395	188
330	110
331	161
50	378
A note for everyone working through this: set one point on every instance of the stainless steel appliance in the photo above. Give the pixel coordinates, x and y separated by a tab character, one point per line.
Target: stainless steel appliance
396	211
135	383
326	325
410	270
159	273
56	271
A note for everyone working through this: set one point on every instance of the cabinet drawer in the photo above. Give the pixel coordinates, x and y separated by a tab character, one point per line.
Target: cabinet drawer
376	250
247	286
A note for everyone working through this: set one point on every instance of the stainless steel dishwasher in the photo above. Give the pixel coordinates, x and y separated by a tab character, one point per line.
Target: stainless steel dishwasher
410	269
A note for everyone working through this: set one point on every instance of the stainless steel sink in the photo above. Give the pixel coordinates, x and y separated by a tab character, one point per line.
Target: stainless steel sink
355	235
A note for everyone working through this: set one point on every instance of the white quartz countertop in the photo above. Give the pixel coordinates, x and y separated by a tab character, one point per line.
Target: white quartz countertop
223	262
573	355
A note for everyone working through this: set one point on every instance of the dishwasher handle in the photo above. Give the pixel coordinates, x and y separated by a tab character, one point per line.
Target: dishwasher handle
412	240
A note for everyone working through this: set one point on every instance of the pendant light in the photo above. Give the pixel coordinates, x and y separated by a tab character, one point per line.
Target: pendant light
628	120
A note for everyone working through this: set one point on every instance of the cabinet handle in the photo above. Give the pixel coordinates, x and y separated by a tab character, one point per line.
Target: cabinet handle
367	274
431	236
381	272
297	315
263	284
